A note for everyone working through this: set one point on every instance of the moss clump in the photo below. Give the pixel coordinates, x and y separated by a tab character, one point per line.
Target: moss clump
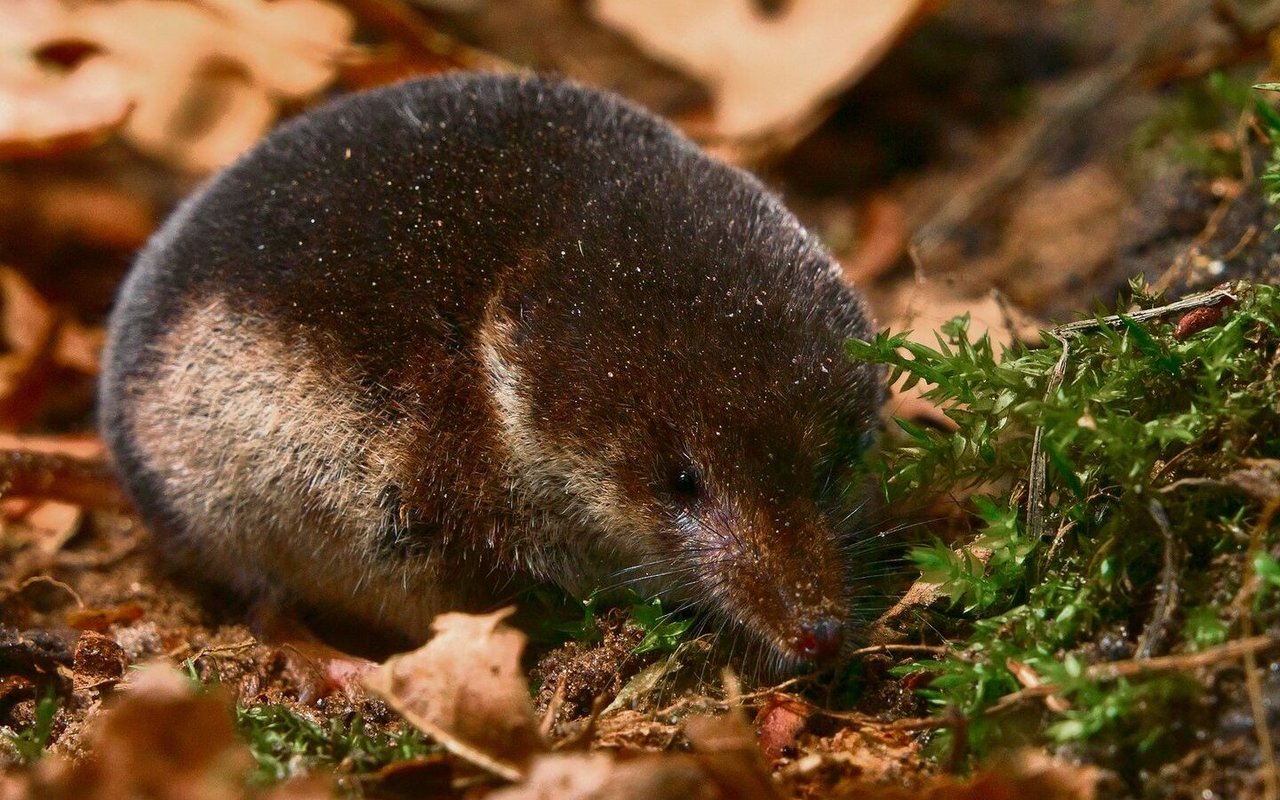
1119	505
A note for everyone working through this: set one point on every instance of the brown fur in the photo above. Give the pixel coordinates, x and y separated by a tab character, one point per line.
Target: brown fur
433	343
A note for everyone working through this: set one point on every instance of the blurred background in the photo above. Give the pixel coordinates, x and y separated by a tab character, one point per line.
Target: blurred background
1017	159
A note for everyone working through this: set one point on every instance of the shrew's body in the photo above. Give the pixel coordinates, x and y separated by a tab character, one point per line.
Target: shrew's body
436	340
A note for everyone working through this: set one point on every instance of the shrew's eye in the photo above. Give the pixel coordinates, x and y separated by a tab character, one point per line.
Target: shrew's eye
686	484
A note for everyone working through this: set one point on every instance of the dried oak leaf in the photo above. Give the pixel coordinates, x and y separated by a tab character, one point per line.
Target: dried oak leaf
766	72
923	308
465	689
46	108
208	77
1024	774
1027	773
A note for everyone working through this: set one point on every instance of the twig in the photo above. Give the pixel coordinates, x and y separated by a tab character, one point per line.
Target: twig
1252	676
45	579
211	651
54	476
958	723
553	707
1167	599
1240	648
877	649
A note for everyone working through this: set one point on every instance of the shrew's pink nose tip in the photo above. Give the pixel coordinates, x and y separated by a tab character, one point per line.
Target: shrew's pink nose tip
819	641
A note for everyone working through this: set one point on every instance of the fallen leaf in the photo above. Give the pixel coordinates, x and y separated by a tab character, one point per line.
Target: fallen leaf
766	72
32	330
922	308
465	689
646	682
98	660
26	316
425	776
57	521
162	741
49	472
81	447
45	108
597	776
70	207
727	751
1026	773
208	77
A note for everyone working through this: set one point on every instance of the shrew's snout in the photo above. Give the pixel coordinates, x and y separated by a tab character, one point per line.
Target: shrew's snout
819	641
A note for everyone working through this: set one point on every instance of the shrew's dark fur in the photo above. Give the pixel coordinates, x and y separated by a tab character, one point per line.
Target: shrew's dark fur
436	339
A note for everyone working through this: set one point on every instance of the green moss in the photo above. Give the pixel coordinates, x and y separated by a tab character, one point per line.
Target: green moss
31	742
1183	129
285	744
1145	535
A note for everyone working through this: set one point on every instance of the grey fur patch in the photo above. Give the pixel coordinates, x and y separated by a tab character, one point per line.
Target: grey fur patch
277	473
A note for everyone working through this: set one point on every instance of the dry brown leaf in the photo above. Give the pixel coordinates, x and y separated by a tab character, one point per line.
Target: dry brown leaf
863	751
410	47
1059	235
26	317
597	776
882	242
208	76
45	109
26	323
1022	775
162	742
1027	773
465	689
74	208
765	72
726	750
54	524
100	619
424	776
